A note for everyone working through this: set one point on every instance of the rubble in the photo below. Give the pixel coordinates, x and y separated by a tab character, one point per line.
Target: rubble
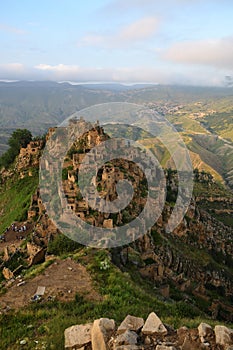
132	335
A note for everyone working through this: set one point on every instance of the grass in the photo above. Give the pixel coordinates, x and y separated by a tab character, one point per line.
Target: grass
36	270
15	200
122	295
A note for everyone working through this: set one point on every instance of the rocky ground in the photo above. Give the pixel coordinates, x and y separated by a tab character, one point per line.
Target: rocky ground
136	334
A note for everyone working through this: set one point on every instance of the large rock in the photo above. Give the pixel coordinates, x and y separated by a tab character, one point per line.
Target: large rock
77	336
204	330
223	335
165	347
101	332
154	326
131	323
127	338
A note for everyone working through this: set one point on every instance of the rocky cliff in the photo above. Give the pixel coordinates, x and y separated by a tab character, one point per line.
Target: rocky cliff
193	263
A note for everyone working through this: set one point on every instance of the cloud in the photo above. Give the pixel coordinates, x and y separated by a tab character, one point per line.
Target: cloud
57	68
82	74
73	72
217	53
16	67
135	32
140	74
12	30
139	30
11	71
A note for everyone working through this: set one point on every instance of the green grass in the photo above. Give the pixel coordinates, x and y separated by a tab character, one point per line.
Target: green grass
36	270
15	200
122	295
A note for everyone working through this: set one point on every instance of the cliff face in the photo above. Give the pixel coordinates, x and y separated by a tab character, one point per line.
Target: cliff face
193	263
195	259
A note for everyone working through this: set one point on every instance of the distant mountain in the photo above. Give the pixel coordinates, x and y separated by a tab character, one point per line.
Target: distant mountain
117	87
195	111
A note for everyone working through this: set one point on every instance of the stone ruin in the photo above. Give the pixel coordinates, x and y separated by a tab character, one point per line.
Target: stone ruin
29	157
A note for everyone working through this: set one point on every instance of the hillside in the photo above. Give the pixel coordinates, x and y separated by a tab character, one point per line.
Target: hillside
199	114
186	276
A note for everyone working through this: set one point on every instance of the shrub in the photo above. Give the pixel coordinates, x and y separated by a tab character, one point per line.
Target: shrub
61	244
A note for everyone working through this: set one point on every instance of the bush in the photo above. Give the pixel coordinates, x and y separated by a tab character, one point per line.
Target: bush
61	244
19	138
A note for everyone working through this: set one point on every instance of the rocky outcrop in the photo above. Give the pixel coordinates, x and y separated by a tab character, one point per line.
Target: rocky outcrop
29	157
154	335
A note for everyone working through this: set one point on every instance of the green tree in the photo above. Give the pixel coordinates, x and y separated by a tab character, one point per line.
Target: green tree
19	138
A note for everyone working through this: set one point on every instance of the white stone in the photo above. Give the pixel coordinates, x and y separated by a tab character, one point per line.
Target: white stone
131	323
204	329
223	335
164	347
101	333
154	326
77	336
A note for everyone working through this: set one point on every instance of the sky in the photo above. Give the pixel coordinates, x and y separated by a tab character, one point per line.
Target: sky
123	41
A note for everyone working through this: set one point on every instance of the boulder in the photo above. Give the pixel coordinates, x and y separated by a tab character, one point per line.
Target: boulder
127	338
131	323
204	330
165	347
77	336
101	332
223	335
154	326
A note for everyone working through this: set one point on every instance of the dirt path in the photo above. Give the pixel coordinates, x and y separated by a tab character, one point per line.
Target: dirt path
62	279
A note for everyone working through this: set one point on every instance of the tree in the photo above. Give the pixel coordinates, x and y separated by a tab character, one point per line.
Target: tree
19	138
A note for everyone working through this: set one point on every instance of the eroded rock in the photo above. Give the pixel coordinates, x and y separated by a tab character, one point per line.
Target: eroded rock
154	326
131	323
77	336
223	335
101	332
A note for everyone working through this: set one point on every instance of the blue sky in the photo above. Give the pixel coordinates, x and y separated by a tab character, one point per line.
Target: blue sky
169	41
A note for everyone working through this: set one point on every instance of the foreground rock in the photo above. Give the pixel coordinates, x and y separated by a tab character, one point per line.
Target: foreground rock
224	335
131	323
101	333
134	334
77	336
154	326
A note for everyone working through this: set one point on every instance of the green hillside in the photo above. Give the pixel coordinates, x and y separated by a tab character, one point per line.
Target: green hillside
15	197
